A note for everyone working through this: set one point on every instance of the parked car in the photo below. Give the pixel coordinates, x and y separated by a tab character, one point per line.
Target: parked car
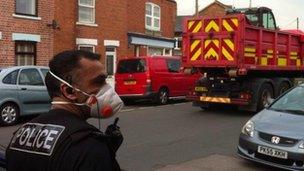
156	78
22	92
275	136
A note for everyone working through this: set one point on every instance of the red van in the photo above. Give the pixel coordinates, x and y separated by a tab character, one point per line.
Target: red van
156	78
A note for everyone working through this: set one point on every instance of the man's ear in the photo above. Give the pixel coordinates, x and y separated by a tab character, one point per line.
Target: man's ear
68	92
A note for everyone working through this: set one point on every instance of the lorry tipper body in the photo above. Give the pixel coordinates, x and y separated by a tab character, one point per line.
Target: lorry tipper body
245	58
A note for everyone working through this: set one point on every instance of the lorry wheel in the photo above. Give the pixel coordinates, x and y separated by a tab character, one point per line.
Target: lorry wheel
129	102
9	114
163	96
284	86
265	96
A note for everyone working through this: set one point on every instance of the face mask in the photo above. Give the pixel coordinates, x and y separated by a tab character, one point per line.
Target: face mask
104	104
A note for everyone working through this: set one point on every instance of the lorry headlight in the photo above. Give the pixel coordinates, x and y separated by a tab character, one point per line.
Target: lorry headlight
248	128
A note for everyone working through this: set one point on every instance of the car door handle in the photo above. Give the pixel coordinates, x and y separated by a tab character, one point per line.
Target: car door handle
23	88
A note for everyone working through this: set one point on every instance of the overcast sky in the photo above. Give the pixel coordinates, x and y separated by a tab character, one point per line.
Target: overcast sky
285	11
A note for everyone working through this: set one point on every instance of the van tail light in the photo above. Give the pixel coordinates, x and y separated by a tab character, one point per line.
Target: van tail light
148	80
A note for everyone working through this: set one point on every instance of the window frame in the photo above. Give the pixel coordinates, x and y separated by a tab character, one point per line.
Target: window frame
16	81
168	65
86	46
87	6
37	70
26	53
36	10
152	27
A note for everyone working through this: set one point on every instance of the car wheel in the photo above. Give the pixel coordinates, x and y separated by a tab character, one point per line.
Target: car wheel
265	96
9	114
163	96
284	86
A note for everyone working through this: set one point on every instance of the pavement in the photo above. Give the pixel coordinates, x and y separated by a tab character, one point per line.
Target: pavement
175	137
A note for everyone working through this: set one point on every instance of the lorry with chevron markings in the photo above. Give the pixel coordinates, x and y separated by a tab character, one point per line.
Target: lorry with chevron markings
246	59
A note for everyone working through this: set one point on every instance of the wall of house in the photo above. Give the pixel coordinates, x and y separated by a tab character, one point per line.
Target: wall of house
10	24
114	19
136	20
213	10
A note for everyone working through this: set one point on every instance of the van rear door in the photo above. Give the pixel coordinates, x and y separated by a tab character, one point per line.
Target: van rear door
131	76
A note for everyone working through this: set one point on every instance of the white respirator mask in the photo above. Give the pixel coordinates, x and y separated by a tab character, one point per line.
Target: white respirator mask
105	104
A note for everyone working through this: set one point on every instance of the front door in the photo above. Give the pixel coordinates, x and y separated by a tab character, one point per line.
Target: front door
110	62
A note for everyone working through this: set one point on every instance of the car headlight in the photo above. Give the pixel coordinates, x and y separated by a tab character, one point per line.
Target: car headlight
248	128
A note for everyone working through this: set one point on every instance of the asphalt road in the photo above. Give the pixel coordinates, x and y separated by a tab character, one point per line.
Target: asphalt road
175	136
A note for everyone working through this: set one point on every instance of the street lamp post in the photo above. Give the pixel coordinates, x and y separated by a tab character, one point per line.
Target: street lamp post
196	7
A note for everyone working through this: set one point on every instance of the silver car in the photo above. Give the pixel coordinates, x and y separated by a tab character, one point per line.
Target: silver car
275	136
22	92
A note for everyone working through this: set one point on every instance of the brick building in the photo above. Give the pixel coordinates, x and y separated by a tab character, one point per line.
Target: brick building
112	28
25	37
214	9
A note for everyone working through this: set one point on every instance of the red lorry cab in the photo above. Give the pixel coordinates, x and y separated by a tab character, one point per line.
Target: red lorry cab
157	78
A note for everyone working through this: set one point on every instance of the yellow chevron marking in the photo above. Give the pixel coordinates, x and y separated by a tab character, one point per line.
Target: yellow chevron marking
194	44
293	57
227	26
215	41
213	25
215	99
264	61
207	42
294	53
197	54
213	53
282	62
269	51
249	54
247	49
198	27
269	56
235	21
190	24
298	62
227	54
229	43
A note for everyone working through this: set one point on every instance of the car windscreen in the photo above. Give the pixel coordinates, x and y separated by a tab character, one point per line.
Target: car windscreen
291	102
131	66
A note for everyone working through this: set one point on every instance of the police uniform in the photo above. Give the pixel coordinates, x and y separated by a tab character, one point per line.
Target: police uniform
60	140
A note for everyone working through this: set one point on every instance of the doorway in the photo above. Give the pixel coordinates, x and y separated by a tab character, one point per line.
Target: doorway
110	62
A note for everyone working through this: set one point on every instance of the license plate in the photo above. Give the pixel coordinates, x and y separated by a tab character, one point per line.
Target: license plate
201	89
272	152
130	82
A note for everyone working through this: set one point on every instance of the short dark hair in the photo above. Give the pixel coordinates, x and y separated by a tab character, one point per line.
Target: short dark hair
63	65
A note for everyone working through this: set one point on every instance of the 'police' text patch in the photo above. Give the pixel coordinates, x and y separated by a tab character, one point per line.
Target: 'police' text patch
36	138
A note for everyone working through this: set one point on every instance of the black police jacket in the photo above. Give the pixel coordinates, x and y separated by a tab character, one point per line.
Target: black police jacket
59	140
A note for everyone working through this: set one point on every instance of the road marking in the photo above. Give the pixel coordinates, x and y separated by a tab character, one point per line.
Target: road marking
127	110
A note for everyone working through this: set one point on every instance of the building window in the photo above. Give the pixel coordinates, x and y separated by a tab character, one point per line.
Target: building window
155	51
86	11
26	7
89	48
152	17
25	53
173	65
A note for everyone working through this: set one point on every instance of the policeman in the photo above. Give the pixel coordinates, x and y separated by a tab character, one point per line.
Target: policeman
62	139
